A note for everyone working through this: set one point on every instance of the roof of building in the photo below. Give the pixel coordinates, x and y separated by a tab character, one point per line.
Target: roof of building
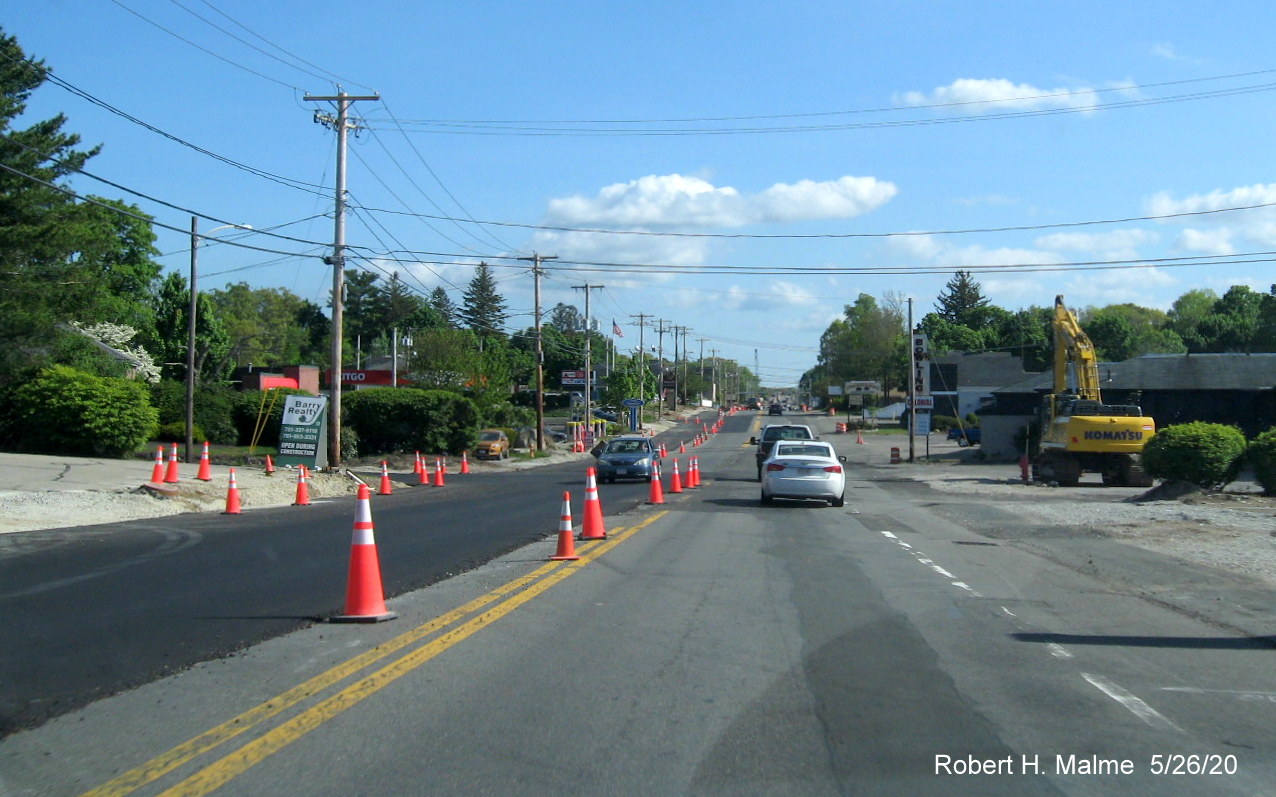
1174	372
986	370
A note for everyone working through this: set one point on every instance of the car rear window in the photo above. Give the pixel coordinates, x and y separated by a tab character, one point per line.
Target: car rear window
802	451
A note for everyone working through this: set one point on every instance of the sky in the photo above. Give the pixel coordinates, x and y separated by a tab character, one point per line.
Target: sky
742	169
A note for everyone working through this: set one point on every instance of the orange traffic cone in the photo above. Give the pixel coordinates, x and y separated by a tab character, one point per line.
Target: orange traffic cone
422	472
682	447
417	467
171	475
157	472
386	488
232	496
270	466
303	489
440	473
675	481
693	472
664	452
465	463
365	600
205	473
657	495
592	529
566	545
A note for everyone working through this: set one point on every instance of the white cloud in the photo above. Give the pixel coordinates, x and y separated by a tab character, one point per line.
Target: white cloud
1163	204
1110	245
1003	93
1208	242
675	201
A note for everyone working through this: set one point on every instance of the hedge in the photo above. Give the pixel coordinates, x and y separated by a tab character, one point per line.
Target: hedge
1262	457
1208	455
390	420
65	411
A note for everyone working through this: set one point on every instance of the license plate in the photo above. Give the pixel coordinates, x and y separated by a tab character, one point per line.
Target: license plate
622	471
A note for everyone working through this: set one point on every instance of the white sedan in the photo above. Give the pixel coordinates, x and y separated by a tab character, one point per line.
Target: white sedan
804	469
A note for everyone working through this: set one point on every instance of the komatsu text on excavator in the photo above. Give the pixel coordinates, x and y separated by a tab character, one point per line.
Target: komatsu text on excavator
1079	433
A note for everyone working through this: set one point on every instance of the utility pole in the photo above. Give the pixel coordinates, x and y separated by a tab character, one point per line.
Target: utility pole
342	124
540	348
660	366
912	400
589	375
642	362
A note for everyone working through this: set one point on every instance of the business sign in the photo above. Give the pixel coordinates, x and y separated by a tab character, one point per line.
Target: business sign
921	365
863	386
573	377
923	402
632	402
302	437
921	423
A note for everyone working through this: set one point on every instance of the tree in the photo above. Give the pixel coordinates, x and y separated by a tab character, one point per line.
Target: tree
359	311
483	309
1123	331
963	302
61	260
262	324
445	307
865	344
171	304
566	318
1187	314
1233	321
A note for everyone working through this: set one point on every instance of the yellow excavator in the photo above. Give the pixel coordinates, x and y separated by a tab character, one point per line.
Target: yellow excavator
1079	433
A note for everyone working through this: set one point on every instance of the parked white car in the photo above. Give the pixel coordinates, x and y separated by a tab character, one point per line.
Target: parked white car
804	469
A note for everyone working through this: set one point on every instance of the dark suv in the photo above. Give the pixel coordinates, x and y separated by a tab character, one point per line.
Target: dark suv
778	431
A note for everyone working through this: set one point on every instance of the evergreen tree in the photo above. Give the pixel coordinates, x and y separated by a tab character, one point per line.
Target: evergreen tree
565	318
60	261
359	312
963	302
445	307
483	309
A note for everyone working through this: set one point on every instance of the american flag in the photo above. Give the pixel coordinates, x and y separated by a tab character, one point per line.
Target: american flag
615	329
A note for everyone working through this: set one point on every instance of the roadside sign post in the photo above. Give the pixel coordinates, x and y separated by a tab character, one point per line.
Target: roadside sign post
635	409
302	434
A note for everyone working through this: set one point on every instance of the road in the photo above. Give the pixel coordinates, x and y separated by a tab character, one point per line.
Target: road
712	647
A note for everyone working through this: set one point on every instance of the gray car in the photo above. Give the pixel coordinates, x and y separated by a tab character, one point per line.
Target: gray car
627	457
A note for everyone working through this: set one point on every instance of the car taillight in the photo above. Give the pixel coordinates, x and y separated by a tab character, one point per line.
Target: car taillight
833	469
775	466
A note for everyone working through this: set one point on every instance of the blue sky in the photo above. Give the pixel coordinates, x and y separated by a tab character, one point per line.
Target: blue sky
779	159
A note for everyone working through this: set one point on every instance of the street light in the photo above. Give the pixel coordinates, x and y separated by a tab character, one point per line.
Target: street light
190	330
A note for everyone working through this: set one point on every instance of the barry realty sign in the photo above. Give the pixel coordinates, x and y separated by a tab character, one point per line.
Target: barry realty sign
302	438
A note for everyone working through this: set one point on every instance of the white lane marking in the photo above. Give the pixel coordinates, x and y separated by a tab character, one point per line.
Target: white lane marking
1007	611
888	534
942	571
1135	706
1058	651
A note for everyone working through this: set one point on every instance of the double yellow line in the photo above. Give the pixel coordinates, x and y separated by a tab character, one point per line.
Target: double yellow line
235	763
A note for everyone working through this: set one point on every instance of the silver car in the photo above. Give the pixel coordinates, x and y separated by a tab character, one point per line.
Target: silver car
804	469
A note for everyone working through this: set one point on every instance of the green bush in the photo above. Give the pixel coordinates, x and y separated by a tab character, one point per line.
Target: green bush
942	423
507	415
65	411
1262	457
1208	455
391	420
175	432
214	409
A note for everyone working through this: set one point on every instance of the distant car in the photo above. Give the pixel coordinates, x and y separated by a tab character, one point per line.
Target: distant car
774	432
606	415
492	444
970	436
775	409
807	469
626	457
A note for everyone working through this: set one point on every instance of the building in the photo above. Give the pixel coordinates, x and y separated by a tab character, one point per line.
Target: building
1234	389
